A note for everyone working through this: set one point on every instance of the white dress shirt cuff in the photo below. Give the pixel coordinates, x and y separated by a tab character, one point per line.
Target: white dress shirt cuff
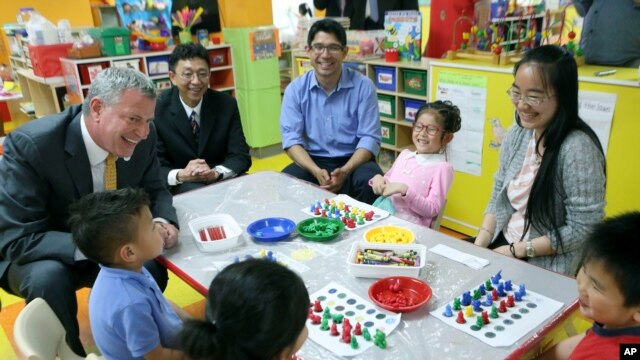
172	178
225	171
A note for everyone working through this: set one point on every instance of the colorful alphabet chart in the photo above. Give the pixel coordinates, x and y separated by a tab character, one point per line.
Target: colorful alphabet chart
353	213
347	324
498	312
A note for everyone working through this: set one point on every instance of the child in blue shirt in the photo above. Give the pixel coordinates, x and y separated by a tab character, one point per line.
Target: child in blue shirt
129	316
608	290
256	310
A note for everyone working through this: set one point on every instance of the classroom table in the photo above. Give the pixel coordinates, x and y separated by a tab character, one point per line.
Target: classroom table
419	336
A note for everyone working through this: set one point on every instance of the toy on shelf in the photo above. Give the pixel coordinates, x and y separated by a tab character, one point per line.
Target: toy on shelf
148	21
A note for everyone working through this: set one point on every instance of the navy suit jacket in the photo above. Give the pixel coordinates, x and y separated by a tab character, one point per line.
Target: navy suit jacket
355	10
45	168
221	141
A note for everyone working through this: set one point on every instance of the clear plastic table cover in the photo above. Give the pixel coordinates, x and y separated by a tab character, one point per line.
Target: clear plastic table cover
419	336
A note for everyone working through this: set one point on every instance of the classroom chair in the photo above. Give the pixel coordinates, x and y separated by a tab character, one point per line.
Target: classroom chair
39	334
435	225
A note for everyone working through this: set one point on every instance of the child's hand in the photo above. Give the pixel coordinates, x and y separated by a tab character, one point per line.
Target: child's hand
378	184
395	188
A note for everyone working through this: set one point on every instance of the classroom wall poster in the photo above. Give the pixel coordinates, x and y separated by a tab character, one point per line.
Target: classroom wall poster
469	93
596	109
264	44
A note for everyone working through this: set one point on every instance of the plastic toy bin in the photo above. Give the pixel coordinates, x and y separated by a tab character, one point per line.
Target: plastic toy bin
411	107
388	133
385	78
415	81
114	41
387	106
46	58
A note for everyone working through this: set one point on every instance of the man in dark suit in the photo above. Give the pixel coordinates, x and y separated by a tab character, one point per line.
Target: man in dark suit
200	137
362	13
50	163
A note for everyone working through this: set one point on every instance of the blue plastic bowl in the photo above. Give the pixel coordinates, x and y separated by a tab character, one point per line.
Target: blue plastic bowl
271	229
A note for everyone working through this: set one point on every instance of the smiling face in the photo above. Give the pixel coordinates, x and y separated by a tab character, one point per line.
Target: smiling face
431	137
601	299
326	63
528	83
191	77
118	128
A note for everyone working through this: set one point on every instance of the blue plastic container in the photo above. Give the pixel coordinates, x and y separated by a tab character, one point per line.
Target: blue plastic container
411	107
385	78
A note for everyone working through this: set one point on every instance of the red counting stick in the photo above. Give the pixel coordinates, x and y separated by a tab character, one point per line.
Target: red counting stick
212	234
224	234
203	235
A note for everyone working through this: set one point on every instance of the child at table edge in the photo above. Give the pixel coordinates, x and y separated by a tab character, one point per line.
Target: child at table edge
418	181
129	316
256	309
609	292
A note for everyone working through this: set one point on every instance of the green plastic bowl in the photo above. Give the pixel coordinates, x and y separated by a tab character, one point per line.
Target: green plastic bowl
321	223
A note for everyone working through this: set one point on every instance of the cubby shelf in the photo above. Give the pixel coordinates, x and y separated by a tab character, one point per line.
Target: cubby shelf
401	88
78	73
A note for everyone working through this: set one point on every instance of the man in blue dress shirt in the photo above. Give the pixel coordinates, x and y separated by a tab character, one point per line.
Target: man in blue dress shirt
329	121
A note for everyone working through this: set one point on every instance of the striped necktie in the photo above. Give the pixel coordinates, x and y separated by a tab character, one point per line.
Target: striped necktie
195	128
110	176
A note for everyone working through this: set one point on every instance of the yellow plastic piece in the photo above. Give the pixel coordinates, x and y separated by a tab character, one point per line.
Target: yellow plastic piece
390	234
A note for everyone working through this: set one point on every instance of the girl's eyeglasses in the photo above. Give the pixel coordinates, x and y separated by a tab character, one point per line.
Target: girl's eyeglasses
431	129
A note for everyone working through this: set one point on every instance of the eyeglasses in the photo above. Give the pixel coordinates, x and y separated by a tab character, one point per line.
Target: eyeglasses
202	76
529	100
332	48
431	129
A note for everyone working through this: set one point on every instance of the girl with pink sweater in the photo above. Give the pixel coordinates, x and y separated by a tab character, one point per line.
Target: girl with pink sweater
418	181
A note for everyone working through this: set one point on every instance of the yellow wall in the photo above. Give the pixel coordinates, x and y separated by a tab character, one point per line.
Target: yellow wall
470	194
244	13
78	12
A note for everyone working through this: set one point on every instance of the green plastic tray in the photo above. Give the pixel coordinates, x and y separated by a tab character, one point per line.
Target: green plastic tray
322	221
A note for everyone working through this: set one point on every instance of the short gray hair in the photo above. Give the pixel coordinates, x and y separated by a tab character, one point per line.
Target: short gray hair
111	82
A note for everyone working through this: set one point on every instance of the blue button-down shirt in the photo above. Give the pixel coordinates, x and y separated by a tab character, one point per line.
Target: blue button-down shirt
334	124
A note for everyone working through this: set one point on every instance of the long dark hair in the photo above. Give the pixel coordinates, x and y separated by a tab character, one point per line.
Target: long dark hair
559	72
255	309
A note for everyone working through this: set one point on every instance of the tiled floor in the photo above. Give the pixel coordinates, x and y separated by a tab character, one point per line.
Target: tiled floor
177	291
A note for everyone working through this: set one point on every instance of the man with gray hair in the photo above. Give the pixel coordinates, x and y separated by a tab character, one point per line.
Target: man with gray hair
51	162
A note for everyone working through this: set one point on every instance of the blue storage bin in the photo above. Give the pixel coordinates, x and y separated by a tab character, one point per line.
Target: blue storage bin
385	78
411	107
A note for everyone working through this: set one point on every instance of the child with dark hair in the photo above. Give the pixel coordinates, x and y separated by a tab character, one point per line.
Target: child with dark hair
129	316
609	291
419	180
256	309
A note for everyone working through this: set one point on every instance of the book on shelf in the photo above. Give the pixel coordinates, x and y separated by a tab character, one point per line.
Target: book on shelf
402	31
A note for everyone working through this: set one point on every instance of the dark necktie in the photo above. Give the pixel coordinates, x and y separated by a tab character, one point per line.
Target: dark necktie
195	128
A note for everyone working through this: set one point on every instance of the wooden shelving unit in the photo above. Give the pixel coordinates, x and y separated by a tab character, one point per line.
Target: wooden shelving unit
392	100
78	73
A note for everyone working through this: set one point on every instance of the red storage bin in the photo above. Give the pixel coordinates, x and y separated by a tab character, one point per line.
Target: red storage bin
46	58
88	72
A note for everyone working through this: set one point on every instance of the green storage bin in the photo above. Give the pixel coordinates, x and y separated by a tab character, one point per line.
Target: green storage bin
415	82
387	106
388	133
114	41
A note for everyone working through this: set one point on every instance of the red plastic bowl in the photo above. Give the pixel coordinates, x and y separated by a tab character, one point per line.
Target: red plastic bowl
400	293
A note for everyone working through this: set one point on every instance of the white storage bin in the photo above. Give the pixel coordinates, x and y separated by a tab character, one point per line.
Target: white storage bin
232	232
380	271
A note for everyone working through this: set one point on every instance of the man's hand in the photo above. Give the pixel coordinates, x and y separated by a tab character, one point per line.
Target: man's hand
322	176
169	234
338	177
197	170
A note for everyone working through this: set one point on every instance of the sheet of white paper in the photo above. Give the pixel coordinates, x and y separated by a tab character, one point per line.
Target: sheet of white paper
596	109
471	261
510	326
343	301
